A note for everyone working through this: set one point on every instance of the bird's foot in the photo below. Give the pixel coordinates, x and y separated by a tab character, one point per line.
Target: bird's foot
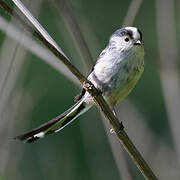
121	128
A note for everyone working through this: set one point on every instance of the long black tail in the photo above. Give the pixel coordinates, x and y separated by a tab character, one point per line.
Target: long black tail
55	124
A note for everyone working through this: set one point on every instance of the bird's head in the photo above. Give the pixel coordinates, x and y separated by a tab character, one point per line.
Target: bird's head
127	38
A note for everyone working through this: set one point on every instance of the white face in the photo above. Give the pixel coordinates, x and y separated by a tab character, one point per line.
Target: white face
127	38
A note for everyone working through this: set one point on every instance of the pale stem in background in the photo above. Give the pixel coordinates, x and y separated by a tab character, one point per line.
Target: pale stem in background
38	26
35	48
65	11
10	68
42	35
11	61
132	12
168	65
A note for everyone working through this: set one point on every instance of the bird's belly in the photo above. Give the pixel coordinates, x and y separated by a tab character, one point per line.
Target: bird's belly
123	87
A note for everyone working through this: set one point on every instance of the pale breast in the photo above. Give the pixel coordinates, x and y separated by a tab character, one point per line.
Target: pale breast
117	73
121	90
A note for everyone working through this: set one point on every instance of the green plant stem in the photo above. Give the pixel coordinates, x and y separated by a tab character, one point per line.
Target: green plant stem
101	103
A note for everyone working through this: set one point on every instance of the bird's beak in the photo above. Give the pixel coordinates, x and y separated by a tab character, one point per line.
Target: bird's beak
138	42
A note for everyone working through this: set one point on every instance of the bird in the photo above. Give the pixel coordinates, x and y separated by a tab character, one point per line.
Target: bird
115	73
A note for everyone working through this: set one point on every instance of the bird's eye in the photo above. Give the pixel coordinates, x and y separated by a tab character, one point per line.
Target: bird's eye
126	39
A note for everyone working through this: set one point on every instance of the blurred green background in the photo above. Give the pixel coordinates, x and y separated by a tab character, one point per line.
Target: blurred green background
32	92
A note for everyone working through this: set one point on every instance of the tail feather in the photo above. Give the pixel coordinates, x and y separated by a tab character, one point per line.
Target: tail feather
55	124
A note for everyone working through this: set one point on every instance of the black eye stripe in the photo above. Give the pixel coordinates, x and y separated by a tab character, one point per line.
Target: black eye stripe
123	32
130	34
140	33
